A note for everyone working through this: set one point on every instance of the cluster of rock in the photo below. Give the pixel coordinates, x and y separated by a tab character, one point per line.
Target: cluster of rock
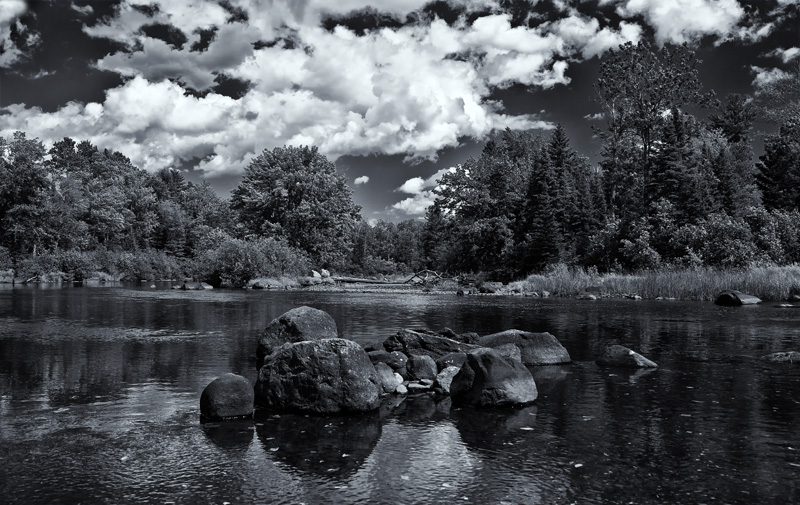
304	366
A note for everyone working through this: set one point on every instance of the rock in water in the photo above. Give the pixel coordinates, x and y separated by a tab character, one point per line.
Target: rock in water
488	379
733	298
535	348
424	343
386	377
296	325
783	357
617	355
229	396
421	367
445	378
329	376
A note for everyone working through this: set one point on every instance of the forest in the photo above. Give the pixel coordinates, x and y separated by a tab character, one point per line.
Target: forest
678	186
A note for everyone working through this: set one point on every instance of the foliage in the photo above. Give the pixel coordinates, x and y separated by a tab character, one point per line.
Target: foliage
295	193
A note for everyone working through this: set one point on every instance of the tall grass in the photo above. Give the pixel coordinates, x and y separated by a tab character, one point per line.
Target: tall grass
767	283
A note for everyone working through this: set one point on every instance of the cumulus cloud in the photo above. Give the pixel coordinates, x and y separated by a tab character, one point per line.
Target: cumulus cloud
422	194
766	76
10	11
786	55
84	10
679	21
412	90
361	180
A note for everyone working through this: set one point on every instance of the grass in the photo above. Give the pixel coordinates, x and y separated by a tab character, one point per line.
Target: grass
767	283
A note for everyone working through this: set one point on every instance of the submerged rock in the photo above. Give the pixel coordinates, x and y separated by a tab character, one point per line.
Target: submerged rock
733	298
329	376
783	357
296	325
488	379
229	396
617	355
535	348
424	343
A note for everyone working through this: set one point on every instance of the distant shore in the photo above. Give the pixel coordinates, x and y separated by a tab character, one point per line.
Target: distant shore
768	283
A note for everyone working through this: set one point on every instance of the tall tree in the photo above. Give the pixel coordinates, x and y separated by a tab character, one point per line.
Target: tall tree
296	193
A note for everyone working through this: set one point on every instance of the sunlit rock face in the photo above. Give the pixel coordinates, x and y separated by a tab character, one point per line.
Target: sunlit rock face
329	376
296	325
535	348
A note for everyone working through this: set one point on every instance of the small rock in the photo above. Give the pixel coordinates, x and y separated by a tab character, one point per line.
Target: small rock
229	396
418	387
783	357
733	298
401	389
617	355
421	367
445	378
386	377
398	378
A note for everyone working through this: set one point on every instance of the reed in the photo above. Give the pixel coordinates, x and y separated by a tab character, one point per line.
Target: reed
767	283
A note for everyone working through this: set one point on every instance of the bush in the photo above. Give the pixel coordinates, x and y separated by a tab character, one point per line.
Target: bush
235	262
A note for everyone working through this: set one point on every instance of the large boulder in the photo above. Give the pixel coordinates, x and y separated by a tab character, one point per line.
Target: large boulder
488	379
733	298
329	376
229	396
296	325
617	355
423	342
535	348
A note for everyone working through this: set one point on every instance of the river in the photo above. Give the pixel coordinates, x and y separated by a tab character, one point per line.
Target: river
100	389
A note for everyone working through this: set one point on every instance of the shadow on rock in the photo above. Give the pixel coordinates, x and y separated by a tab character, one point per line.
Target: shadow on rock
230	435
319	445
489	429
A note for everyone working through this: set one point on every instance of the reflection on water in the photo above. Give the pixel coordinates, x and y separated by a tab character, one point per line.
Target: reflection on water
100	387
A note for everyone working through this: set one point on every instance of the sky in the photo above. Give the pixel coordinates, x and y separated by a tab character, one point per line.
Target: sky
395	93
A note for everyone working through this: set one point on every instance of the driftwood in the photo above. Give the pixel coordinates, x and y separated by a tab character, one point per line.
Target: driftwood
421	277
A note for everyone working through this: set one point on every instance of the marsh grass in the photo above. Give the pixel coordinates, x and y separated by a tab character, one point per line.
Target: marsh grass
767	283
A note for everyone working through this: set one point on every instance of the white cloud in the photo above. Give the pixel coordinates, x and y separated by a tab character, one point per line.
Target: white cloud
595	117
392	91
422	193
83	10
679	21
786	55
10	11
361	180
765	76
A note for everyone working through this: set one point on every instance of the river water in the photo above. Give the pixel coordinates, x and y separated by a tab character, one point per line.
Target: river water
100	389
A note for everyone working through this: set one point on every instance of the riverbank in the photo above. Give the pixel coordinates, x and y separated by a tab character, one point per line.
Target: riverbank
767	283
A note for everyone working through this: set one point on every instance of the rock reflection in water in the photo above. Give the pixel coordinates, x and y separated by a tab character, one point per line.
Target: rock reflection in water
233	436
319	445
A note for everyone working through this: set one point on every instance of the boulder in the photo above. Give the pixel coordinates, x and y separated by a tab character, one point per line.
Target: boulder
396	359
455	359
421	367
733	298
193	286
445	378
617	355
783	357
386	377
296	325
535	348
329	376
229	396
586	296
488	379
423	342
509	350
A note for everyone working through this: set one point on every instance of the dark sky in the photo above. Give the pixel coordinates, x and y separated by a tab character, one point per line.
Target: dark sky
395	96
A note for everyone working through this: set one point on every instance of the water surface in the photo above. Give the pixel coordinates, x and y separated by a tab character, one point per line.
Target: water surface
100	387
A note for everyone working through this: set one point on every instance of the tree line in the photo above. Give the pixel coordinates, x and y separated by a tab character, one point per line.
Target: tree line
678	186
